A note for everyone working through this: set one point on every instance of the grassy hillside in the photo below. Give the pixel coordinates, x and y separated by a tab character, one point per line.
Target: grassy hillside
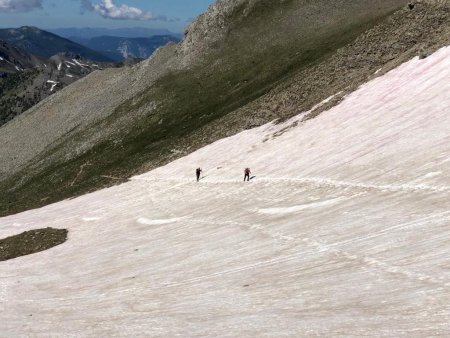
230	78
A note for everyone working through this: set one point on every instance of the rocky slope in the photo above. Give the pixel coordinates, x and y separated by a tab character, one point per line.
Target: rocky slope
28	79
241	64
13	60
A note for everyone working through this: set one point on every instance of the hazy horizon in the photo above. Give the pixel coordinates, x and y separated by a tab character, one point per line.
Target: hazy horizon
173	15
92	28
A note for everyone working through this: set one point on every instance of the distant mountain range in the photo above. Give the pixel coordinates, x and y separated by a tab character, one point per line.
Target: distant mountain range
120	48
135	43
35	63
26	79
37	42
89	33
121	43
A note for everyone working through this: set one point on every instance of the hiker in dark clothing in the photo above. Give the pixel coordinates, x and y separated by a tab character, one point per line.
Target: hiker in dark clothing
247	173
198	172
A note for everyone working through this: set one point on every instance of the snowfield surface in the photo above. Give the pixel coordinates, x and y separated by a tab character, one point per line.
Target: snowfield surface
343	231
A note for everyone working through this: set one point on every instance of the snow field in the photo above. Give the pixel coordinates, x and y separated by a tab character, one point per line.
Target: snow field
343	231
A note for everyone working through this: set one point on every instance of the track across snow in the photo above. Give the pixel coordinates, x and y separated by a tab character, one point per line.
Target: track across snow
344	231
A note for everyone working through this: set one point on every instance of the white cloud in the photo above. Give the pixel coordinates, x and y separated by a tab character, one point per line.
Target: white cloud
108	9
16	6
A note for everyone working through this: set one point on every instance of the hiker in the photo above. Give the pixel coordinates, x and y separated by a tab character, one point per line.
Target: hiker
247	173
198	172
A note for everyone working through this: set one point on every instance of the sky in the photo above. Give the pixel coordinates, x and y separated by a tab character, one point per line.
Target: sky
174	15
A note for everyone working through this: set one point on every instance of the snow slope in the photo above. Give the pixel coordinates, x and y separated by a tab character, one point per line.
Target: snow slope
344	231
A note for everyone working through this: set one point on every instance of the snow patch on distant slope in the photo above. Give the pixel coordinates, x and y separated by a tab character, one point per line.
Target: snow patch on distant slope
124	50
82	65
53	83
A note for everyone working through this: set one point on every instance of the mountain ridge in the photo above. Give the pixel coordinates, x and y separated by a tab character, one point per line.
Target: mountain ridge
13	59
121	48
207	88
25	79
45	44
132	32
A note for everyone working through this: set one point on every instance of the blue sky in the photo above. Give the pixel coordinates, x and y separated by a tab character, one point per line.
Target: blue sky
171	14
